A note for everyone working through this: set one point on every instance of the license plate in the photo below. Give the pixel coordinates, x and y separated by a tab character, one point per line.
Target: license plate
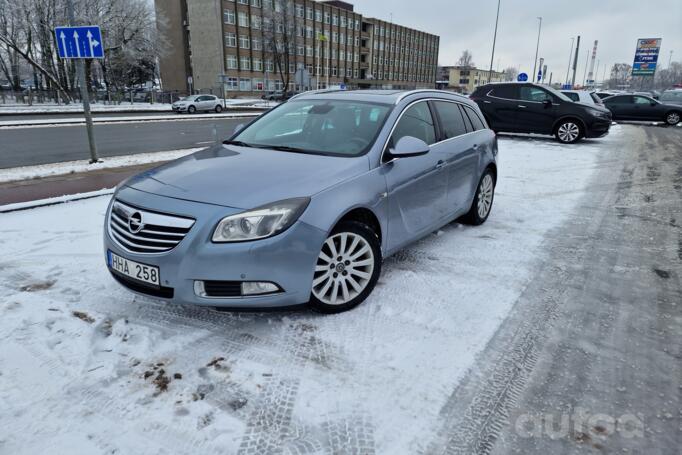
135	270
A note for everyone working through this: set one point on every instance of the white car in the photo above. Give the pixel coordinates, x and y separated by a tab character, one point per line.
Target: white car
583	96
194	103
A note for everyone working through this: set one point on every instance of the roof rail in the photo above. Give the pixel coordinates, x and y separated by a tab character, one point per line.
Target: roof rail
317	92
424	90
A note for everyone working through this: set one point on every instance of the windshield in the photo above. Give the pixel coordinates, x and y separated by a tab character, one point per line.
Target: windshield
324	127
672	96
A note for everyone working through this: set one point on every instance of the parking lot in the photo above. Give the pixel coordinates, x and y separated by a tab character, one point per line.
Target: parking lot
567	301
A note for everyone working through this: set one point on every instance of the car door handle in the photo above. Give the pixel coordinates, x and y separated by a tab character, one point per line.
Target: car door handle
521	105
440	164
487	102
475	147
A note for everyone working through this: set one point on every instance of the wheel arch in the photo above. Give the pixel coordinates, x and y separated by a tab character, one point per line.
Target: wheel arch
363	215
576	118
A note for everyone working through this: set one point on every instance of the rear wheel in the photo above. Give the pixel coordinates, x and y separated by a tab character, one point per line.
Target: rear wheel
672	118
568	132
218	108
191	109
483	200
347	268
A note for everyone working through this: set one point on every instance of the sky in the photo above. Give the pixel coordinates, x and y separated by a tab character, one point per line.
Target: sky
617	24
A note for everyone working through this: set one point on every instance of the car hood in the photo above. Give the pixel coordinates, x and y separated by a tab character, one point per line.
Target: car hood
245	178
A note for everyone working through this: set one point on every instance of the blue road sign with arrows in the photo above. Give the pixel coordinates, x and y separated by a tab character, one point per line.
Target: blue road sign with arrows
79	42
523	77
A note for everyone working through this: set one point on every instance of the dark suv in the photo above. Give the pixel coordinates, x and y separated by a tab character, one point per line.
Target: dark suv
532	108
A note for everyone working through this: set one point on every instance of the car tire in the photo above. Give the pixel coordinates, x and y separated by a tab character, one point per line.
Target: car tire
218	109
191	109
483	200
568	131
672	118
340	285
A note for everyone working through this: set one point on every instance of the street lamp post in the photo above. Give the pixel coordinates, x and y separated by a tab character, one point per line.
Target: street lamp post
570	54
492	57
537	48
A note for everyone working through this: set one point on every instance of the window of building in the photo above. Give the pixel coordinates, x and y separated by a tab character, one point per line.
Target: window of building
269	66
256	22
258	84
299	10
231	62
300	50
230	39
309	51
232	84
327	18
308	31
243	2
335	20
334	71
243	19
244	84
257	44
309	14
357	25
417	122
342	21
257	64
228	16
356	73
244	42
318	15
256	3
335	37
244	63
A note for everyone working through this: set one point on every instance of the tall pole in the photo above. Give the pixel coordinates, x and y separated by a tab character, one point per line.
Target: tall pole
670	60
596	73
570	54
492	56
80	68
587	59
603	77
329	59
537	48
318	70
575	60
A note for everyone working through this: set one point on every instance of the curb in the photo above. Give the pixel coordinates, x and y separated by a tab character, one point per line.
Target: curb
21	206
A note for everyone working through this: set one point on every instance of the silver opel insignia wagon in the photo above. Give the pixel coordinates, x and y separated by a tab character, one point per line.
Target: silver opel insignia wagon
302	204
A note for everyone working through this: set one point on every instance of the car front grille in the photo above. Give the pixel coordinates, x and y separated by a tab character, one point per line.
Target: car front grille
142	231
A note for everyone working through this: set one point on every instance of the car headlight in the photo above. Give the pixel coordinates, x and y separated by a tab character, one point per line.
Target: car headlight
260	222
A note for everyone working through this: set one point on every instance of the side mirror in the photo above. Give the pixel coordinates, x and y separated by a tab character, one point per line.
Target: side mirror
409	146
239	127
652	103
547	103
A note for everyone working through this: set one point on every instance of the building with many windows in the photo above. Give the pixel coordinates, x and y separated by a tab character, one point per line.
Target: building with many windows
466	79
236	45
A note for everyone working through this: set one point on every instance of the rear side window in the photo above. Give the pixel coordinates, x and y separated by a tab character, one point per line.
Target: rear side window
417	122
509	92
572	96
451	121
621	100
530	93
476	121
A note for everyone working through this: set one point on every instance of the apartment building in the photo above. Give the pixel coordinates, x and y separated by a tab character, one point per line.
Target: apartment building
465	79
216	45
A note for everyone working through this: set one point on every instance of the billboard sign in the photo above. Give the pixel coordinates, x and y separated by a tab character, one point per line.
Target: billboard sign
646	56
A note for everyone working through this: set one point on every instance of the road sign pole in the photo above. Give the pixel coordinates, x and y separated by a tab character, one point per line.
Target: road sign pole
80	68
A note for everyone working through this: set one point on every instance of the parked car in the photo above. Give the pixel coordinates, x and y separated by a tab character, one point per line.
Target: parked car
534	108
606	94
302	204
194	103
671	97
277	95
583	96
643	108
650	93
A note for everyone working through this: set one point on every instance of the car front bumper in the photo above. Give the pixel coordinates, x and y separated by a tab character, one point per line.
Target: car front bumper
287	259
179	108
598	128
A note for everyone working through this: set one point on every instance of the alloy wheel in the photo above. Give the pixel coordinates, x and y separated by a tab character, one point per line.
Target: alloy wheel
344	268
673	118
485	196
568	132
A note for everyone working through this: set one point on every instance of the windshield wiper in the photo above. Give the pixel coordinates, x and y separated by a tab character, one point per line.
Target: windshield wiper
286	148
237	143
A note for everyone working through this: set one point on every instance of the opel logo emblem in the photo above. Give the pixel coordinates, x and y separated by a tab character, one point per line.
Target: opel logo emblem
135	223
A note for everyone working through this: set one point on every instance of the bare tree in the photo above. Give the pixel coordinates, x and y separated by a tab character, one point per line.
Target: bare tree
621	75
510	73
466	59
280	37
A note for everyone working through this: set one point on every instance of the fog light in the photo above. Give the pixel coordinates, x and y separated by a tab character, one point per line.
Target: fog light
199	289
258	287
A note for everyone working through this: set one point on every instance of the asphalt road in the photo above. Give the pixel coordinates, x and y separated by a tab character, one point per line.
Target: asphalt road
53	144
591	359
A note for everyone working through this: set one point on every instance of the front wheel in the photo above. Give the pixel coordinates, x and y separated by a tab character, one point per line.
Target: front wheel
347	268
191	109
568	132
483	200
672	118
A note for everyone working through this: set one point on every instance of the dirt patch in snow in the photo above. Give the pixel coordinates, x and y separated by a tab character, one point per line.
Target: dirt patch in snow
37	286
83	316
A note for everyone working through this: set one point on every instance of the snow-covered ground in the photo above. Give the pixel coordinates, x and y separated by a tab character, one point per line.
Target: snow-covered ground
52	108
70	167
87	367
